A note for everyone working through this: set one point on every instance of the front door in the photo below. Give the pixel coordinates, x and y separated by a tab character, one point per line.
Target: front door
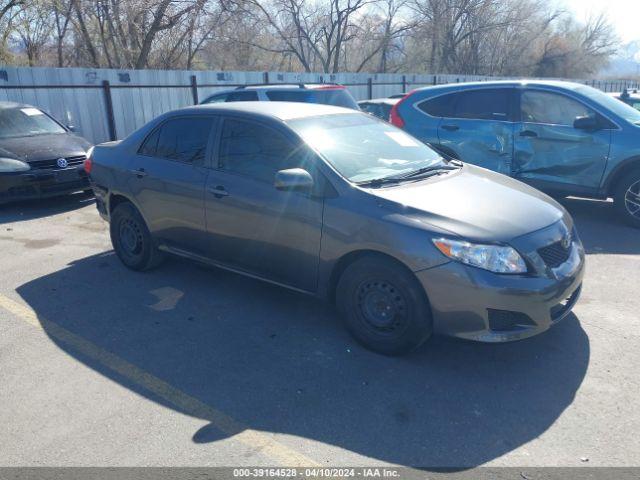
168	177
479	128
252	225
550	152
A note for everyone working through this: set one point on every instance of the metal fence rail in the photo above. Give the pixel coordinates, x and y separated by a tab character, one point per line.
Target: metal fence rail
106	104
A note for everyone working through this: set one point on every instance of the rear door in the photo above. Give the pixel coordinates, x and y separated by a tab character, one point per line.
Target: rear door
550	152
252	225
480	128
168	176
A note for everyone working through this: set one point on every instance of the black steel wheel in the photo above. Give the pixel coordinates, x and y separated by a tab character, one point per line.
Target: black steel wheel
131	239
383	305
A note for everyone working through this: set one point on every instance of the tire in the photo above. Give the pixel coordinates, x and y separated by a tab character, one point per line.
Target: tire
626	197
131	239
383	306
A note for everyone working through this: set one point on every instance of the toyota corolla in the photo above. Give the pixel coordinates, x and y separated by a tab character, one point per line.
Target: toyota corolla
339	204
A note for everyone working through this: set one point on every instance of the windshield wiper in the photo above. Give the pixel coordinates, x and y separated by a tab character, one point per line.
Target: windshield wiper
420	172
374	182
433	170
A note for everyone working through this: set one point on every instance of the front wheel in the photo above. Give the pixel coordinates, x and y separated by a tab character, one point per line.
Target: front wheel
627	198
383	305
131	239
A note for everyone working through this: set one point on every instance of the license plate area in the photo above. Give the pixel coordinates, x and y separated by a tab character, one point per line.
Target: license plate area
68	175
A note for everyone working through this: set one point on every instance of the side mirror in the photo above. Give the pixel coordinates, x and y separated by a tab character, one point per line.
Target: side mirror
586	123
293	179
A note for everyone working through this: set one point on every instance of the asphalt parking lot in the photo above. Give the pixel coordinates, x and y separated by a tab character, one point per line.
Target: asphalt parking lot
191	366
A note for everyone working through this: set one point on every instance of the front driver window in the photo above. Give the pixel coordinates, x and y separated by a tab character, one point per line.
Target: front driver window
551	108
256	151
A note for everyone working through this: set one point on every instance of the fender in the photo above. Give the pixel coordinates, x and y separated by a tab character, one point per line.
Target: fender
614	175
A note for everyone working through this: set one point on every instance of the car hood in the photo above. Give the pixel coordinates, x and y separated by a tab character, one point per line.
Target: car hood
475	203
43	147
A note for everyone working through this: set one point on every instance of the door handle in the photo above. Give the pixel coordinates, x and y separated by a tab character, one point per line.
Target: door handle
528	133
451	128
219	191
140	172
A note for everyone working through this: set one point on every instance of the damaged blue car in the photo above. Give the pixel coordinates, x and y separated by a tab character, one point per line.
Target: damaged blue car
560	137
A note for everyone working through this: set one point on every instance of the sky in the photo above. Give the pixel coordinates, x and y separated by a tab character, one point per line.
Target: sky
624	15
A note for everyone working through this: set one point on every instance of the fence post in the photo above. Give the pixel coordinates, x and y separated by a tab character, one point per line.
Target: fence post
370	88
194	89
404	84
265	77
435	79
108	103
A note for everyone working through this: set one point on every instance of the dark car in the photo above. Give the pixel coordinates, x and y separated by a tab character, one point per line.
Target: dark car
39	157
631	98
379	107
561	137
324	93
341	205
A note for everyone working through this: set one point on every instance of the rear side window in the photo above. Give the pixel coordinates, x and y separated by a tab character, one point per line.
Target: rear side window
442	106
222	97
254	150
484	104
335	96
242	96
181	139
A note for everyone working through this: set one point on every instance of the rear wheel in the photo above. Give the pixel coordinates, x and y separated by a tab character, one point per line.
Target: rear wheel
627	198
384	306
131	239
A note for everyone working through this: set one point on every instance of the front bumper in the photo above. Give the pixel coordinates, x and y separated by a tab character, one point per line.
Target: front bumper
35	184
479	305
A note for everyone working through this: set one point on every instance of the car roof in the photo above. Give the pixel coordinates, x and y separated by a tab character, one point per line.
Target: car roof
276	110
293	86
503	83
387	101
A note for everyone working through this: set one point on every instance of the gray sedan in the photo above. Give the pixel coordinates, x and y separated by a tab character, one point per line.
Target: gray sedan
341	205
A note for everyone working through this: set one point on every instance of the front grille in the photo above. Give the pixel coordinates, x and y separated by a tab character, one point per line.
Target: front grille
503	320
555	254
52	163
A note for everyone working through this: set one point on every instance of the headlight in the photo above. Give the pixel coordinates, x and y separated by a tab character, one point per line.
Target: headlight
13	165
495	258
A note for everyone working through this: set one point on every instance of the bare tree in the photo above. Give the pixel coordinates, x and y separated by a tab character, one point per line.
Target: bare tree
33	27
492	37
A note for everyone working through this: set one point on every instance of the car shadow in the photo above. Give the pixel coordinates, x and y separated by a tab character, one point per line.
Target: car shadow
33	209
279	361
600	228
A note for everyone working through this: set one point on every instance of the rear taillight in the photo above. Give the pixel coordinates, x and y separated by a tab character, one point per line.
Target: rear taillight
88	162
394	115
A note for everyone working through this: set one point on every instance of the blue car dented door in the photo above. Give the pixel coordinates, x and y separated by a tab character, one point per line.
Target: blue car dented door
560	141
475	125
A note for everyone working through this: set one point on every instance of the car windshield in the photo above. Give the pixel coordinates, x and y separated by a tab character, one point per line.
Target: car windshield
621	109
26	122
362	148
330	96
